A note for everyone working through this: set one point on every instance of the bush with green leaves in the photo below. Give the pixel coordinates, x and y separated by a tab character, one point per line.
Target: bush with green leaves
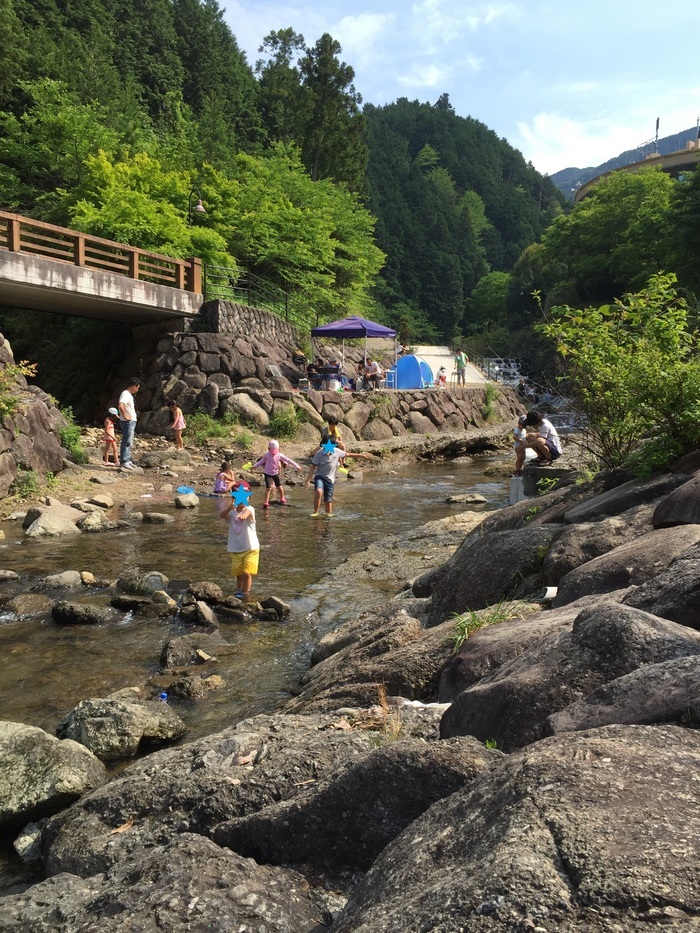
491	393
10	375
633	370
26	483
69	437
201	426
285	422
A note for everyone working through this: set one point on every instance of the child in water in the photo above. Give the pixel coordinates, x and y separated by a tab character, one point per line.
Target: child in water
225	479
270	462
109	438
243	544
178	424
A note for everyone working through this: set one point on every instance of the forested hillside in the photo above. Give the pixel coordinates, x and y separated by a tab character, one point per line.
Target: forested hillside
113	110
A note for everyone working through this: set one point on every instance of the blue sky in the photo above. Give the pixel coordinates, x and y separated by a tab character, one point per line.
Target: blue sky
565	88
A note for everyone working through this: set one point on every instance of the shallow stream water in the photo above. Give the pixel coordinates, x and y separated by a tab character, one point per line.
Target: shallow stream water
48	669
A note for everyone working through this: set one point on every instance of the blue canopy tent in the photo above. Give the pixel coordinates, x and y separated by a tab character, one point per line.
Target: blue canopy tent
352	328
412	372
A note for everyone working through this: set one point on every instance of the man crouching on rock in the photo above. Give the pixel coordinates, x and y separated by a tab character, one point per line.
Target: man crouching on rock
544	440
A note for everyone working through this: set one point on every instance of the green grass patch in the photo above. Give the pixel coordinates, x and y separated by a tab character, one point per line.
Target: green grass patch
285	422
466	623
201	427
69	437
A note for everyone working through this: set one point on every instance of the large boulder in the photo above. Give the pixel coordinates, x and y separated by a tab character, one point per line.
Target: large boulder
577	544
395	655
629	564
138	583
255	763
624	497
592	831
348	818
665	692
247	410
186	881
490	647
674	594
512	704
680	507
40	775
486	570
119	727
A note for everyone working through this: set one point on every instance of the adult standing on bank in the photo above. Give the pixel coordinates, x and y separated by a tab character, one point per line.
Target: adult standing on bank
127	420
461	367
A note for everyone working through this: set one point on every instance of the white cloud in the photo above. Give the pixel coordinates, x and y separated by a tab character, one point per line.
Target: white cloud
437	23
553	142
358	35
422	76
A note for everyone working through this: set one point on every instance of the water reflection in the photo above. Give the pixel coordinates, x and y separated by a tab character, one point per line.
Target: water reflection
52	668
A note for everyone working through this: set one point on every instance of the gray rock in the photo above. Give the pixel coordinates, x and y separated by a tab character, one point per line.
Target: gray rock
205	614
188	500
142	584
67	613
248	410
7	575
186	881
621	498
157	518
103	500
490	647
629	564
673	594
488	569
67	579
348	818
39	775
238	771
512	704
280	608
82	505
96	522
52	526
467	497
117	728
576	833
206	591
680	507
665	692
391	649
26	605
577	544
182	650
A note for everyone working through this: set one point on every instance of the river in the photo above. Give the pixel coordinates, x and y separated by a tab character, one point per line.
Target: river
48	669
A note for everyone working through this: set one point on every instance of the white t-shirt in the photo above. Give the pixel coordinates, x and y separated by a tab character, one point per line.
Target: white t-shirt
127	400
547	430
242	535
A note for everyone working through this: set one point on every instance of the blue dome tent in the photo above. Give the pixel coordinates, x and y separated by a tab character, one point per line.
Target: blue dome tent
412	373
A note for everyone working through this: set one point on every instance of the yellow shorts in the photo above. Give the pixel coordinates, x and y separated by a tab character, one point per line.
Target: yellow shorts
244	562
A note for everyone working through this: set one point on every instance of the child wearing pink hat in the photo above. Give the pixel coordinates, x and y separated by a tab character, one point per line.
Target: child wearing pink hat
270	462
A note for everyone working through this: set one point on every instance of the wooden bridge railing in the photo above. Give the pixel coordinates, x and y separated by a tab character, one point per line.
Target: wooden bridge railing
24	235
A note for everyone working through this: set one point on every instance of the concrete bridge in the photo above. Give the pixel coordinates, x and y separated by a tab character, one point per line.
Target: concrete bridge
50	268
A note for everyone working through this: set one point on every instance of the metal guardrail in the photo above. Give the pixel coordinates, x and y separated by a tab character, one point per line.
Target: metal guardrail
246	288
25	235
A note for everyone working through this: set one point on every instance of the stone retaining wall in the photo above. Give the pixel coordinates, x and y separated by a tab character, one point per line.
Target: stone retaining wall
247	368
229	317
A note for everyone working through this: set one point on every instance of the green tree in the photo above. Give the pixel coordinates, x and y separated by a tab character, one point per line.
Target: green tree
633	367
332	145
44	150
281	94
614	239
486	305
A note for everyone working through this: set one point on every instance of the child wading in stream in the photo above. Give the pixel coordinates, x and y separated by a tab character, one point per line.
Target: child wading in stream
243	544
270	462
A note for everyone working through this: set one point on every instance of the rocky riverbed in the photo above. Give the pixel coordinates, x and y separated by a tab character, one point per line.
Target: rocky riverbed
539	775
